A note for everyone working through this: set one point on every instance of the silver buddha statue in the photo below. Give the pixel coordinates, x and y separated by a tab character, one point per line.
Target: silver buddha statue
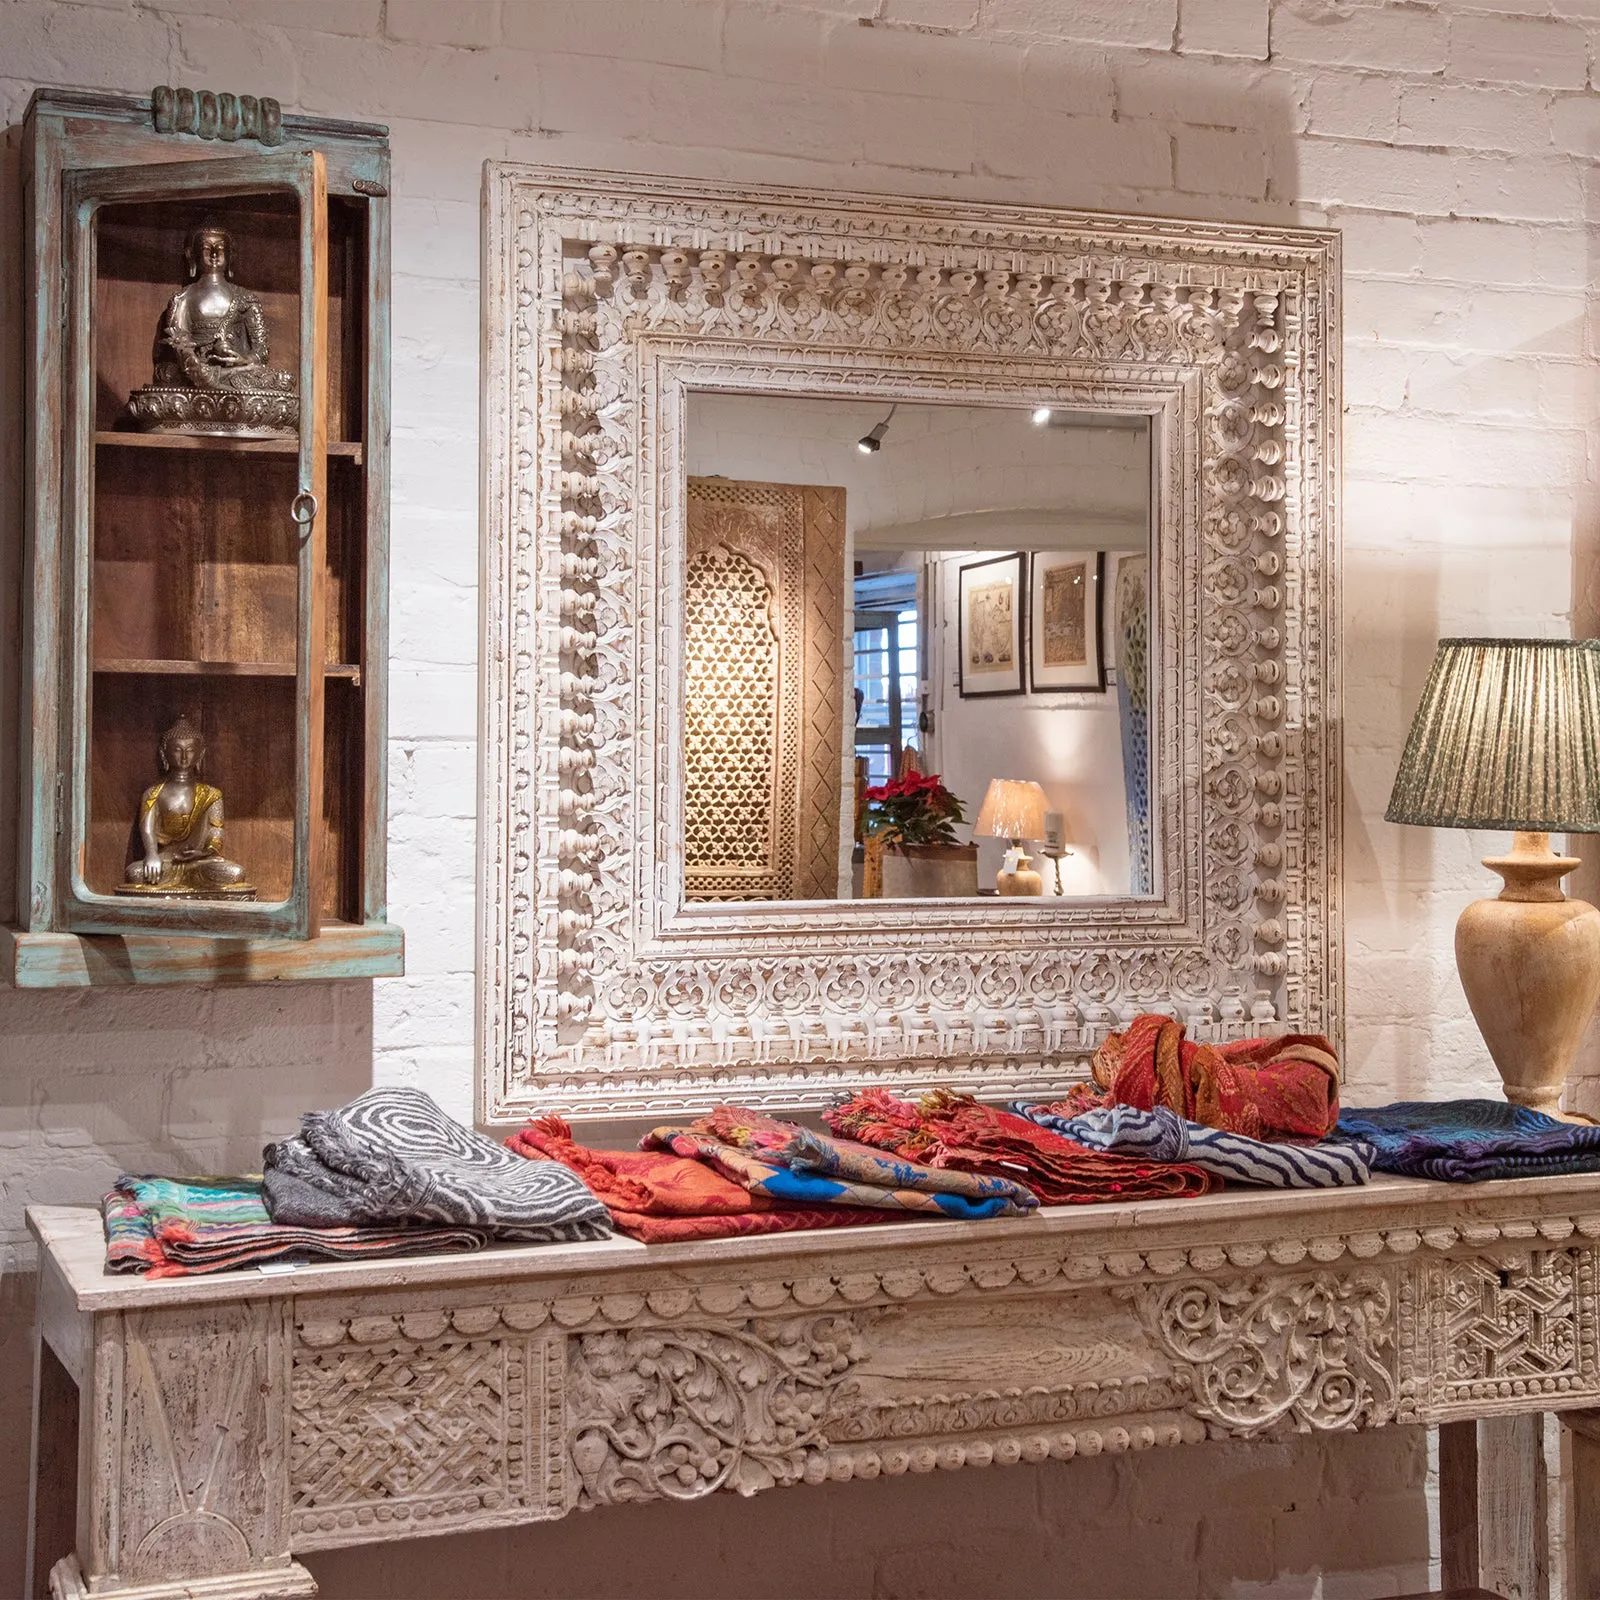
212	370
180	830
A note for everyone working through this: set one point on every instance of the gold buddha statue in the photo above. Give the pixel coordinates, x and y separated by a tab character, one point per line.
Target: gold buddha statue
180	830
212	373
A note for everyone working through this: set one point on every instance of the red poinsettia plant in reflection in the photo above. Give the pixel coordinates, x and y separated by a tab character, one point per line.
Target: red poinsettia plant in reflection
917	807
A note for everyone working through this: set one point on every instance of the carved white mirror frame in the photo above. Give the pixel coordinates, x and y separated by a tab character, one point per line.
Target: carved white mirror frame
608	298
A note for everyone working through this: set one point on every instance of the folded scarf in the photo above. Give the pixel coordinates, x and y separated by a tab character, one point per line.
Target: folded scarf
1282	1088
1471	1141
1162	1135
661	1198
787	1144
795	1187
393	1157
945	1129
174	1227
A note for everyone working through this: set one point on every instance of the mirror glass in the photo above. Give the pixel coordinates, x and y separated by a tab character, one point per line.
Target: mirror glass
876	596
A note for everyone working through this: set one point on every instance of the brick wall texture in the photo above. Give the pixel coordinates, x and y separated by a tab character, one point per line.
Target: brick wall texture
1456	146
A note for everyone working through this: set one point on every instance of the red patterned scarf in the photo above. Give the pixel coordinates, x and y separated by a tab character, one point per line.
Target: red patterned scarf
661	1198
945	1129
1282	1088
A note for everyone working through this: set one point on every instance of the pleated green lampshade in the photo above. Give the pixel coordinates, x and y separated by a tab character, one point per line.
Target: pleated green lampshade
1507	737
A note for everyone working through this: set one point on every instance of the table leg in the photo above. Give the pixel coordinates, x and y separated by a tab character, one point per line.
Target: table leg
53	1487
1583	1510
1458	1505
1493	1508
184	1474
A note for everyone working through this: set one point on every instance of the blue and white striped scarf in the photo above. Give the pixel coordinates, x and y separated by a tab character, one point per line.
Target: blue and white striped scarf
1162	1135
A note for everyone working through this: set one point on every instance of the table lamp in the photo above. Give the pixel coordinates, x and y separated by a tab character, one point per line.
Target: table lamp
1508	736
1013	810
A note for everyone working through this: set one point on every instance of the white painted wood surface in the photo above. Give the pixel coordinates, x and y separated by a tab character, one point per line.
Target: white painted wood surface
229	1423
609	298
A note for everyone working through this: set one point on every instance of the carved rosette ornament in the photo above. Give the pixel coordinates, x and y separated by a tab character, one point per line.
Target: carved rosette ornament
604	991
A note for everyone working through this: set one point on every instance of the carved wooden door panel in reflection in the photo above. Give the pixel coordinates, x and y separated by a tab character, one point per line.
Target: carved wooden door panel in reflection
764	690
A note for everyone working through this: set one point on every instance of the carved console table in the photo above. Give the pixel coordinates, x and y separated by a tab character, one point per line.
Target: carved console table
207	1431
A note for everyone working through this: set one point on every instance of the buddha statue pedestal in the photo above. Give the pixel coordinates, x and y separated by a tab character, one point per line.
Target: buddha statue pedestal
211	371
180	830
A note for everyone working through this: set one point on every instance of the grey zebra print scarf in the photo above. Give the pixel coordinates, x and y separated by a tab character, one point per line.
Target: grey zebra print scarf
392	1156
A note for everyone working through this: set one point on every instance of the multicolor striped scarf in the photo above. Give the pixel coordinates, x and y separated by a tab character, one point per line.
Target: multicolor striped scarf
803	1187
801	1150
1162	1135
176	1227
1472	1141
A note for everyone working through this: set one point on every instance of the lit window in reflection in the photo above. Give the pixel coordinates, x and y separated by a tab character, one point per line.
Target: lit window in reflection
887	675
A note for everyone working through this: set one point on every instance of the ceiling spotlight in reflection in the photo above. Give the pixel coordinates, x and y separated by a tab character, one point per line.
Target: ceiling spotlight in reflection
871	442
1041	415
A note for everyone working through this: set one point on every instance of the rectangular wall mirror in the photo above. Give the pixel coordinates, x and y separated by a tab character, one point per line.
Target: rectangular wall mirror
876	595
795	502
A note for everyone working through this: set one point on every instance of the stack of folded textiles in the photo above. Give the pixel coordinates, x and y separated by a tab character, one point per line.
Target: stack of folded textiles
739	1172
175	1227
389	1174
1472	1141
392	1157
954	1132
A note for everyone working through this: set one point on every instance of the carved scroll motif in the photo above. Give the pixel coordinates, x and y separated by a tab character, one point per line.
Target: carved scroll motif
677	1413
1315	1354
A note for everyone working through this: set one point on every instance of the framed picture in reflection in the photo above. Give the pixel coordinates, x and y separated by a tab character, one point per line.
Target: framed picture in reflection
990	610
1065	643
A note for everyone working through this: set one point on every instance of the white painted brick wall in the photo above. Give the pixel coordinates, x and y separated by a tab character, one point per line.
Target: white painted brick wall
1455	146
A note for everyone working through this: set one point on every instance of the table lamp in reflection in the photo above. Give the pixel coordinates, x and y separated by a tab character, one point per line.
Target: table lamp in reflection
1508	737
1013	810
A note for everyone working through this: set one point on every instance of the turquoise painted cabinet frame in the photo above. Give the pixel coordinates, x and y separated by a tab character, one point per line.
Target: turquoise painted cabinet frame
83	152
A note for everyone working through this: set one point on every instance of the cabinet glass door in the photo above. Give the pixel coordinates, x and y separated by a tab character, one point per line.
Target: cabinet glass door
194	539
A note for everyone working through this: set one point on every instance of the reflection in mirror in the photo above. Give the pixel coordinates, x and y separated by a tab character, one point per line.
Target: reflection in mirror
880	596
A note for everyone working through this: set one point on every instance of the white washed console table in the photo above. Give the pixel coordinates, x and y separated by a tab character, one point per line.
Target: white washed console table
194	1435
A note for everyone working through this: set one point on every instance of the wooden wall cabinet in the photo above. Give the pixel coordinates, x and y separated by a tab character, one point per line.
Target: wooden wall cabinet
239	581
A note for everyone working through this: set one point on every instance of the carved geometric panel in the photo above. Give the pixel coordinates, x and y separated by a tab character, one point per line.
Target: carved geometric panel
763	649
1518	1323
731	829
407	1435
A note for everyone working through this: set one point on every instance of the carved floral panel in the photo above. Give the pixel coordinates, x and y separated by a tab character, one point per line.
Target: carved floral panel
604	990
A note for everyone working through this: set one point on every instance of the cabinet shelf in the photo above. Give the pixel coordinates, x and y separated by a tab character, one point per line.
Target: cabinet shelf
350	449
129	666
57	960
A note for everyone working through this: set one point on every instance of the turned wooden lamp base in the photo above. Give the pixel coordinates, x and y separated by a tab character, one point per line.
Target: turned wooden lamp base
1530	964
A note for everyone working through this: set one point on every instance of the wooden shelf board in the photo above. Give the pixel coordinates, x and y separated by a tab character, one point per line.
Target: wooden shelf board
81	961
130	665
350	448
